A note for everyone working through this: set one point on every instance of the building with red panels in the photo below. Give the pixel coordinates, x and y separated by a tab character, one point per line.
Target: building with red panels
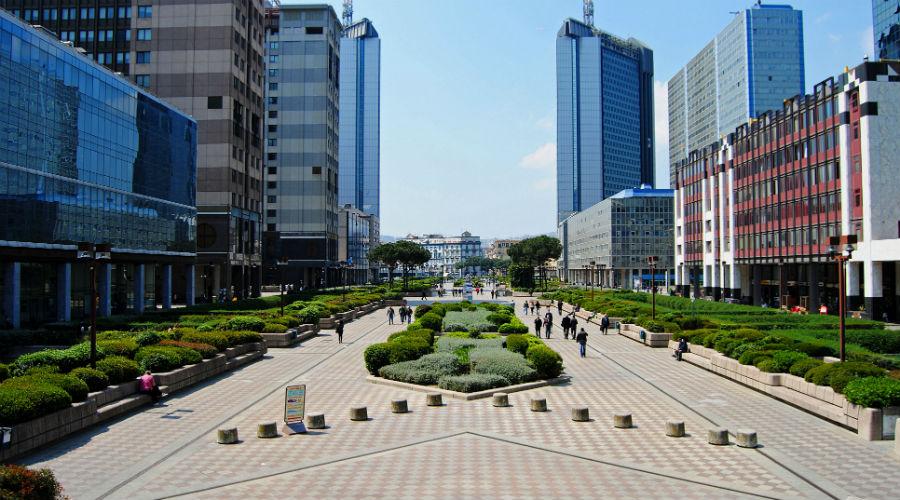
755	210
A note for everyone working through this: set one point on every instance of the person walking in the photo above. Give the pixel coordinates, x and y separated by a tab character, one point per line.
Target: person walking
548	324
581	338
604	324
573	325
525	308
559	307
339	329
532	307
537	305
537	326
565	322
390	315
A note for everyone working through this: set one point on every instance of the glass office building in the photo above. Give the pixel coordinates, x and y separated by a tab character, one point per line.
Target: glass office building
886	28
87	156
359	233
360	117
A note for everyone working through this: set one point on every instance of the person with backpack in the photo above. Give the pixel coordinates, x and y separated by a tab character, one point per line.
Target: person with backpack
537	326
581	338
604	324
565	326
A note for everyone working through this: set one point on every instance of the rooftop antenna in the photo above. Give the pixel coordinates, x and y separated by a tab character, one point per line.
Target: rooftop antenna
589	12
348	13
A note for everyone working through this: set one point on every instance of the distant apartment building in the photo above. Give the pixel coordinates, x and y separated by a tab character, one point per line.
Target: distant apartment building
301	182
499	249
604	116
206	58
359	233
755	211
88	156
886	28
751	66
447	251
359	155
609	243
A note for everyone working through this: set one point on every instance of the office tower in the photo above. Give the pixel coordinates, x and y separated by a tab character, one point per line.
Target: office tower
101	162
206	59
360	118
301	210
752	65
886	28
604	116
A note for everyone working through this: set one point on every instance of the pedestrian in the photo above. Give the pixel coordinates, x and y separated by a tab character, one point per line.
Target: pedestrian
565	326
148	386
409	314
537	326
577	308
537	305
525	308
532	307
681	349
581	338
573	324
548	318
548	324
884	316
604	324
339	329
493	294
390	315
559	307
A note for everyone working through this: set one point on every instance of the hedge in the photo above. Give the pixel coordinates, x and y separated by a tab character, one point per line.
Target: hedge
873	392
510	365
513	328
426	370
18	482
472	382
804	365
251	323
165	358
421	310
518	343
407	349
547	362
783	360
271	327
119	369
838	375
376	356
22	402
144	339
431	321
216	339
450	344
238	337
96	380
4	372
64	359
310	314
121	347
205	350
74	386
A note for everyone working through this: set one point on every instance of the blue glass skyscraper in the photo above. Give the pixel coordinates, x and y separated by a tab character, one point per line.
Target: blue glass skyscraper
886	28
604	116
360	116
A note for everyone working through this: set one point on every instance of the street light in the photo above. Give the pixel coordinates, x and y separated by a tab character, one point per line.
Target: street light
92	254
652	261
840	250
281	263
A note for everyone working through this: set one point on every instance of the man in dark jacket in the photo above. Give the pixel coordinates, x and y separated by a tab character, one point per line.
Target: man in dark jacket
565	326
339	329
581	338
604	324
573	325
537	326
681	349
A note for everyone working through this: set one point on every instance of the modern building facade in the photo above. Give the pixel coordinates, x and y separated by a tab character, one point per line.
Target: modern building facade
886	28
609	243
206	58
499	249
447	251
87	156
604	116
301	208
360	118
755	211
750	67
359	233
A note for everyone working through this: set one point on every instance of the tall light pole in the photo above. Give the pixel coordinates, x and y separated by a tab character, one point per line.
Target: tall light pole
840	250
282	263
652	261
92	254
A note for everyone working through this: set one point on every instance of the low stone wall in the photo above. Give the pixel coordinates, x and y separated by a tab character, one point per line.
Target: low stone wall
652	339
816	399
118	399
291	337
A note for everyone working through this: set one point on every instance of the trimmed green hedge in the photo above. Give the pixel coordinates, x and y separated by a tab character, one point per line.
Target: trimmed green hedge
22	402
377	356
205	350
473	382
513	328
426	370
547	362
801	367
165	358
510	365
64	359
431	321
119	369
4	372
74	386
873	392
249	323
121	347
216	339
96	380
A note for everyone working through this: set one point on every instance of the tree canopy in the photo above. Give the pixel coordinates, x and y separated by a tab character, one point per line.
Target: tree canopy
534	253
402	253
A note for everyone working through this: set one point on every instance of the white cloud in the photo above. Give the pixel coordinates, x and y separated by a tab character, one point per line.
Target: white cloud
834	37
661	132
546	123
822	18
545	184
866	41
542	158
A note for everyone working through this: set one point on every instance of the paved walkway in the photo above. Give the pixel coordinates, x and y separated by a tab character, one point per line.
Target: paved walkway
469	448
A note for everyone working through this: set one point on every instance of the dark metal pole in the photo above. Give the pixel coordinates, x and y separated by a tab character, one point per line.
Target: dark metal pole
281	287
93	273
842	302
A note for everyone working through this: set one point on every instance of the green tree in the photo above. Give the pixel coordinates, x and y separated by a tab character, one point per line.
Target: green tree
410	255
534	253
386	254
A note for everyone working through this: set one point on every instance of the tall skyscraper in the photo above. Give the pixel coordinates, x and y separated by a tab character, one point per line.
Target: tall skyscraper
301	210
886	28
360	118
604	116
748	68
206	58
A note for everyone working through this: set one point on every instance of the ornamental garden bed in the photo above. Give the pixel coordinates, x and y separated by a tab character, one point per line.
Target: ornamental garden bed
464	361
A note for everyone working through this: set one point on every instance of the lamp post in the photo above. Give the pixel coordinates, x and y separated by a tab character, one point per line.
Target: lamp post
840	250
652	261
591	279
92	254
281	263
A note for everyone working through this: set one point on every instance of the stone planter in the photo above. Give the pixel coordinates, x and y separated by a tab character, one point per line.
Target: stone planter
651	339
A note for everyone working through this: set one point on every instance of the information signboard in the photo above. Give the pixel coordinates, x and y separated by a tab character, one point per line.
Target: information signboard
294	403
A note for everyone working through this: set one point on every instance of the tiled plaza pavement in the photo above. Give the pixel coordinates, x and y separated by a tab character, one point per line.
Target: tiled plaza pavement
471	449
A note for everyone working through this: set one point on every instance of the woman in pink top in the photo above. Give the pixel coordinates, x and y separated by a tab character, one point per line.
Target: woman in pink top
148	385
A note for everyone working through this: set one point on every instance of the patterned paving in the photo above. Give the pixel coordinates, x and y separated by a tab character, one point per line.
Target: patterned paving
471	449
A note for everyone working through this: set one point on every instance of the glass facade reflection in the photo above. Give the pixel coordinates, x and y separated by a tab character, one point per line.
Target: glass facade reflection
87	156
886	28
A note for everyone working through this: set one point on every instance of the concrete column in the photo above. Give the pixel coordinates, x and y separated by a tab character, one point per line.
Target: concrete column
697	290
814	293
64	291
874	300
104	289
138	288
756	270
12	293
854	299
189	284
167	286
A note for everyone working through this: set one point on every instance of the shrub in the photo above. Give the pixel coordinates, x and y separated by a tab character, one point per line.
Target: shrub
215	339
518	343
783	360
878	341
74	386
513	328
545	361
205	350
376	356
815	350
431	321
25	401
65	359
749	334
421	310
236	338
510	365
450	344
165	358
423	334
310	314
96	380
119	369
457	335
843	373
425	370
18	482
499	318
122	347
275	328
804	365
407	349
207	327
753	357
251	323
472	382
819	375
873	392
144	339
768	365
4	372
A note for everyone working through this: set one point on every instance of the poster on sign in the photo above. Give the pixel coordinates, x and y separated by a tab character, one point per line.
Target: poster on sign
294	403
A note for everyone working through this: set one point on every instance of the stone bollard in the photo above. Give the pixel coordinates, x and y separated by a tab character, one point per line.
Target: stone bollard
358	413
581	414
315	421
501	399
267	430
674	428
746	438
227	435
538	404
718	436
399	406
622	421
434	399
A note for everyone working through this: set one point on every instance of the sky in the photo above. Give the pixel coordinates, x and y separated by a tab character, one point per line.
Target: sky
468	96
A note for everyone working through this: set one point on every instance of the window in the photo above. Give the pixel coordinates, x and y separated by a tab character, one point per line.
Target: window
124	35
273	58
857	197
317	170
273	45
123	57
273	100
273	170
272	157
273	72
124	12
143	57
271	185
144	34
50	14
273	142
105	58
214	102
314	30
105	35
87	13
145	11
85	36
273	114
142	80
273	86
67	36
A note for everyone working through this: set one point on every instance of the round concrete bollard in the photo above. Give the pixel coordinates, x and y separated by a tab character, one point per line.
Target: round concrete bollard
674	428
501	399
434	399
581	414
315	421
358	413
538	404
746	438
227	436
622	421
399	406
267	430
718	436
